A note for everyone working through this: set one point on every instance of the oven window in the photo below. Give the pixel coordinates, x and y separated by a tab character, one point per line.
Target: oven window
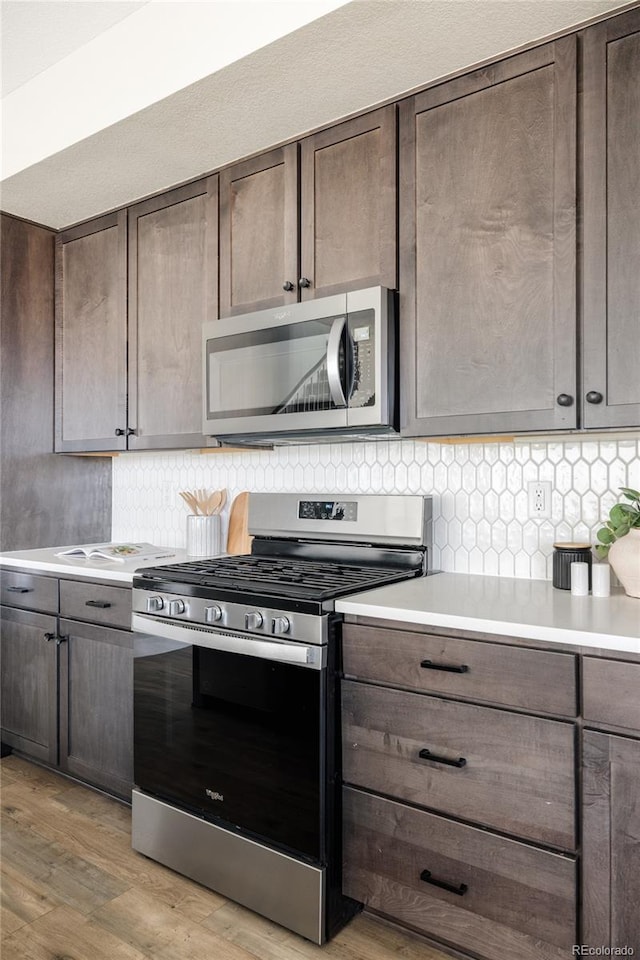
236	739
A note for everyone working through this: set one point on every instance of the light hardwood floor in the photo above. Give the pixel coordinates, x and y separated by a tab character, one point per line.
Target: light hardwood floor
72	889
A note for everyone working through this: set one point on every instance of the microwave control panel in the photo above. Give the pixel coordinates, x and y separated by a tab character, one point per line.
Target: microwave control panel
363	343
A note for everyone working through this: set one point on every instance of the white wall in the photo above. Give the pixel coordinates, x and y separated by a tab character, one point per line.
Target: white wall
479	491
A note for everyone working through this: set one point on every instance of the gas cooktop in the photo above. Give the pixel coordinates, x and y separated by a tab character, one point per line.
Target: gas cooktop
281	576
307	550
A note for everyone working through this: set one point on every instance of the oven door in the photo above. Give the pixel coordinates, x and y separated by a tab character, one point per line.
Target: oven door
233	729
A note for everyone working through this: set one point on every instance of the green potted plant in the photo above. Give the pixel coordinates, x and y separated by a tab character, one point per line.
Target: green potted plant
619	540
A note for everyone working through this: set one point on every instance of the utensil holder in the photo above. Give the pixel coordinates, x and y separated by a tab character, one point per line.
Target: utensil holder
204	537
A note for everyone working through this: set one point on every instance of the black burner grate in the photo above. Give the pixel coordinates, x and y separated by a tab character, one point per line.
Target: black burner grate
311	579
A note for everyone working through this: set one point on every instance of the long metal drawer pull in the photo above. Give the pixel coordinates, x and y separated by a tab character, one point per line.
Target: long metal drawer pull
103	604
19	589
448	667
427	755
460	889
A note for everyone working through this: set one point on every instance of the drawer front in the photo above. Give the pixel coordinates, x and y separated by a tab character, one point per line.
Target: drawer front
514	676
98	604
508	771
29	591
611	693
500	898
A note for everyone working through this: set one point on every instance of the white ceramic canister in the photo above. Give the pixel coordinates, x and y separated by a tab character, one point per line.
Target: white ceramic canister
204	538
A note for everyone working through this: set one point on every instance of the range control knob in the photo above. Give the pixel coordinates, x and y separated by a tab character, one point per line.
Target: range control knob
176	607
280	625
154	604
213	614
253	620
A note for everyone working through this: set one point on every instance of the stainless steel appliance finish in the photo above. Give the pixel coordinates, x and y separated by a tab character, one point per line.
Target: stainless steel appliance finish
324	369
236	701
294	895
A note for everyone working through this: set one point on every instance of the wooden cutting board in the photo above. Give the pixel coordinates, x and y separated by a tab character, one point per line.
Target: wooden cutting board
238	539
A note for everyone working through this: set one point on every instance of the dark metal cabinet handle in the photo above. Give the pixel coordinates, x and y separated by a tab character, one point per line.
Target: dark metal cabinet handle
565	400
103	604
49	636
119	432
460	889
447	667
594	396
130	431
304	282
19	589
287	285
427	755
60	639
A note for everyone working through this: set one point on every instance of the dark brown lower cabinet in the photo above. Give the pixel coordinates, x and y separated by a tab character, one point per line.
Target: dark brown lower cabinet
469	888
96	705
29	709
611	841
67	686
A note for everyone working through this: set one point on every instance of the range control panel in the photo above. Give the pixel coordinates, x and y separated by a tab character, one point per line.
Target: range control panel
328	510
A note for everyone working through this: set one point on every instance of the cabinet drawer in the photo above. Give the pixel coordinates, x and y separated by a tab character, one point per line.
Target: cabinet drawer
512	772
611	693
29	591
513	900
99	604
514	676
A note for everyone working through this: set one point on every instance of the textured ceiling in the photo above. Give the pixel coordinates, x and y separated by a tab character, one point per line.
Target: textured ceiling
360	54
36	35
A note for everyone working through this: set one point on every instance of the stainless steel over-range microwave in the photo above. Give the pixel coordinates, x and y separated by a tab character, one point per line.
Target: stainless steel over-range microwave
319	370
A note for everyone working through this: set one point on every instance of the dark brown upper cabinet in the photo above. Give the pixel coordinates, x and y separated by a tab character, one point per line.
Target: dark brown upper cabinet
173	289
259	232
611	233
488	248
91	336
348	206
128	345
305	221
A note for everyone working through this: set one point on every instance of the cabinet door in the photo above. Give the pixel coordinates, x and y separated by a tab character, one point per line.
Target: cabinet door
173	289
29	705
91	336
487	248
96	705
611	192
611	852
259	232
348	205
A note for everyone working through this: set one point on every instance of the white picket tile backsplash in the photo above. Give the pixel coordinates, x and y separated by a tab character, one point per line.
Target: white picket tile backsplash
479	490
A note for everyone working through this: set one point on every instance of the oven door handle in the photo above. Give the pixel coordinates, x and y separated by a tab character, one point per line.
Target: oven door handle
295	653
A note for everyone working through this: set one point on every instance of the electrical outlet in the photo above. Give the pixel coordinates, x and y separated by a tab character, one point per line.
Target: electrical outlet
539	492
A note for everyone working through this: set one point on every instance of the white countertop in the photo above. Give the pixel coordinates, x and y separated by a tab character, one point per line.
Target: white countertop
531	609
45	561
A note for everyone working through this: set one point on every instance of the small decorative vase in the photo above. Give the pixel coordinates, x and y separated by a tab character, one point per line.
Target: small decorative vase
624	557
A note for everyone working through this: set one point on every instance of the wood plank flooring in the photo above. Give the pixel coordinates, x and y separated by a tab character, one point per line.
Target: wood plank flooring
73	889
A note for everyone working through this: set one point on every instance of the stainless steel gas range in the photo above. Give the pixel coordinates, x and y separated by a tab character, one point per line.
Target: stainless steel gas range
236	705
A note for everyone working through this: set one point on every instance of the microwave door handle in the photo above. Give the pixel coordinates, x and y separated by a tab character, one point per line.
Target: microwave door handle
333	361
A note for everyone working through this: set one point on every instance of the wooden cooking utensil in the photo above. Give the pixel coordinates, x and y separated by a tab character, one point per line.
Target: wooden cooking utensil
238	539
